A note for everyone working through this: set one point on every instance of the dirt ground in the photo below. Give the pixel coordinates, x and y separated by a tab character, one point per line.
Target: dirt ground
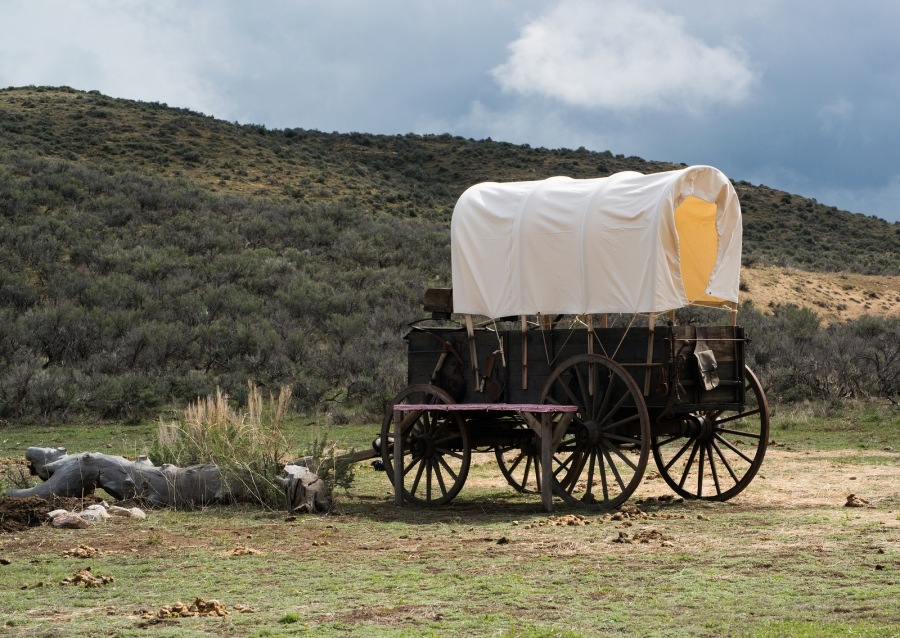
791	482
834	297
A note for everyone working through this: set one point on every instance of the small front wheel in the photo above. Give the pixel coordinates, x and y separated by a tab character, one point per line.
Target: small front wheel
436	449
520	461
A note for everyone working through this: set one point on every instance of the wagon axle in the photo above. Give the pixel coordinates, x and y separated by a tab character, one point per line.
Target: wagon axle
698	426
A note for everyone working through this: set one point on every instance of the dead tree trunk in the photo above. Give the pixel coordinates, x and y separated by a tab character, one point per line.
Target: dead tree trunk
163	486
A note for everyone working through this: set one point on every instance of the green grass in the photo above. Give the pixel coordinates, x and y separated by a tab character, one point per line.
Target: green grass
853	425
742	568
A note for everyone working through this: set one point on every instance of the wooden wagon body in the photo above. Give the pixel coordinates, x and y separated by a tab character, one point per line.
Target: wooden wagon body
661	362
569	406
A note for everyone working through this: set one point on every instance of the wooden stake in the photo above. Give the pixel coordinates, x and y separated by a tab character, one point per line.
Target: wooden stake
473	353
524	352
651	319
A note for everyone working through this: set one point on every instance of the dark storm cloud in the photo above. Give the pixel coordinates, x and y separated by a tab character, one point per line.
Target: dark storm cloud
800	96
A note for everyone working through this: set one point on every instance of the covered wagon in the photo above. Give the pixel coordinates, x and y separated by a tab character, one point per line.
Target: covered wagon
557	349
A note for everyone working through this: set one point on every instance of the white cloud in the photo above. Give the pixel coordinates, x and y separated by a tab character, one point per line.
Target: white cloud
622	55
157	51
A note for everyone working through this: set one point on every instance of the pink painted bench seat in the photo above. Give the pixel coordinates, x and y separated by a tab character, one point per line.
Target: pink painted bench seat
501	407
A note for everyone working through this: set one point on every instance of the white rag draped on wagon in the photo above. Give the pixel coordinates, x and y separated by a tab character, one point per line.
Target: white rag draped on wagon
574	409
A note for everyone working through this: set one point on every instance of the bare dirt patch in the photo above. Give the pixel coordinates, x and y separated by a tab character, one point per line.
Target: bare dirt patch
835	297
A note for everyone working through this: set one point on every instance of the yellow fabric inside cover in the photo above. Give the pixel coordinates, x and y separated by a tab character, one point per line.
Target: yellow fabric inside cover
695	221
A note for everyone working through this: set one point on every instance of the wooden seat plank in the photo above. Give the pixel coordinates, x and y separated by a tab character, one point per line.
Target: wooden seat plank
499	407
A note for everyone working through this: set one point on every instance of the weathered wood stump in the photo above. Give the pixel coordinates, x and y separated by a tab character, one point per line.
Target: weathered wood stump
162	486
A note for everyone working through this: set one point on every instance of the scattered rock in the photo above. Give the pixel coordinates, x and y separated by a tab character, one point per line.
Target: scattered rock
82	551
243	550
200	607
127	512
855	501
69	520
244	609
94	514
85	578
645	536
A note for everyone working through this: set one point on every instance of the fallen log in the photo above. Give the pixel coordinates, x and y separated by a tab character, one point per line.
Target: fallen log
167	485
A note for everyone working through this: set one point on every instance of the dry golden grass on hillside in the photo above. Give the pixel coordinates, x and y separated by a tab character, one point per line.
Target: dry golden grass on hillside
834	296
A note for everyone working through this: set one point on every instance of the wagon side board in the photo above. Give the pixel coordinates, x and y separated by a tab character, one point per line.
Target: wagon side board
441	356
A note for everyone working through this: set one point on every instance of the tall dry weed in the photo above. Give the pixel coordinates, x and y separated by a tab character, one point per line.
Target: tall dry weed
248	445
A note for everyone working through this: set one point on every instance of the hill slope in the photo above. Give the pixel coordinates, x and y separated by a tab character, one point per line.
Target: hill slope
406	175
149	254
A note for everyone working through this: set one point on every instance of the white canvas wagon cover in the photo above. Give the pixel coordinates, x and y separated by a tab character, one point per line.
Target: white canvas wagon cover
625	243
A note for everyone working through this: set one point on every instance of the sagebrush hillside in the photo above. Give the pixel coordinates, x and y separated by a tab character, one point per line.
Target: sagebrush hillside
150	254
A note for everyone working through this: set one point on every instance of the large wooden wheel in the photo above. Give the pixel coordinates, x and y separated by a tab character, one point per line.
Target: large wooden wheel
520	462
601	458
436	450
716	453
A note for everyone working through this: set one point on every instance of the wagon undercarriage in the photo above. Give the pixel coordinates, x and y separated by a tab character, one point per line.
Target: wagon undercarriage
576	425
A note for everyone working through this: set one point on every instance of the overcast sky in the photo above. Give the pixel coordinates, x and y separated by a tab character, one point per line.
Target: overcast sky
800	95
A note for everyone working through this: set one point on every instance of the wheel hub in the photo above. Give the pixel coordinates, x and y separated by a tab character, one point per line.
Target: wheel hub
698	426
588	434
422	446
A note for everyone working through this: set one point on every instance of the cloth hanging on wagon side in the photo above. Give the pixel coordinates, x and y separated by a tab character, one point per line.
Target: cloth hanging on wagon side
620	244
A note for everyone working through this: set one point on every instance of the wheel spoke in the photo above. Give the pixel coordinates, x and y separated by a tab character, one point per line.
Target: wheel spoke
621	439
700	459
437	473
725	462
589	480
622	456
442	443
690	462
675	458
749	435
671	439
586	399
515	463
712	467
613	411
732	448
612	467
618	424
576	474
739	415
415	485
442	462
603	408
568	392
604	480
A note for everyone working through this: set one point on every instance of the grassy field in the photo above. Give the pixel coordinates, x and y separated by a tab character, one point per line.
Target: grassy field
784	558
